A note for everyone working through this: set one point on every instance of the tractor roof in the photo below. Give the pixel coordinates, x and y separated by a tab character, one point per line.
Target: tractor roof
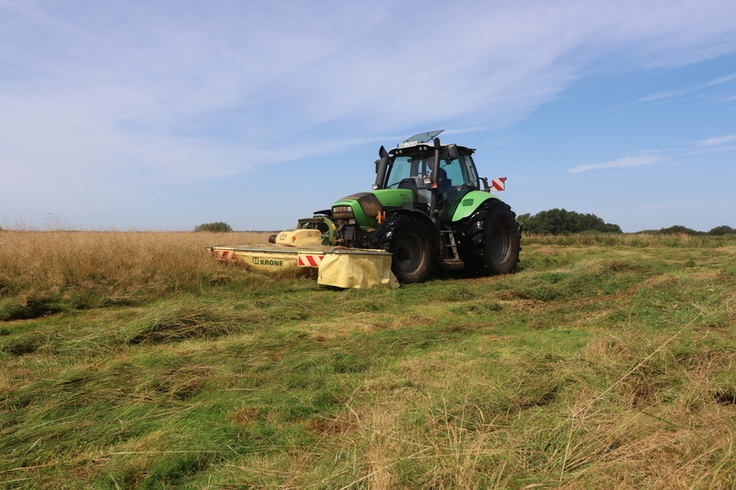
421	138
422	142
424	147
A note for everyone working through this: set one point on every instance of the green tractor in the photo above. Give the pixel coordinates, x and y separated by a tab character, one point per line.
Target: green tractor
428	210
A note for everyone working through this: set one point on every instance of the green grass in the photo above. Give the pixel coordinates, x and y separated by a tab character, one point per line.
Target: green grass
601	364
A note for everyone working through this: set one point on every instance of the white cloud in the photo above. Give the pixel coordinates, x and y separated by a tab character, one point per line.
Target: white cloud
696	88
717	141
663	95
718	81
639	161
281	68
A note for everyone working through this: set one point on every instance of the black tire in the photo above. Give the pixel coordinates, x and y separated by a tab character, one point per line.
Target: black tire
491	241
410	241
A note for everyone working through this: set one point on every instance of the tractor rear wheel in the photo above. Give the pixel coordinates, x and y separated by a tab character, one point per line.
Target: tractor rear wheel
491	241
410	241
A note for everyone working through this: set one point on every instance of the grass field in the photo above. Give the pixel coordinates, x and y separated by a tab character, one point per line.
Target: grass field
135	361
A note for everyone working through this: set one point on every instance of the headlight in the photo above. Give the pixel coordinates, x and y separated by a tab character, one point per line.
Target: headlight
342	212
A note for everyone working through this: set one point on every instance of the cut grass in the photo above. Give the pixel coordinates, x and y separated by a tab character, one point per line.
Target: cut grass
600	365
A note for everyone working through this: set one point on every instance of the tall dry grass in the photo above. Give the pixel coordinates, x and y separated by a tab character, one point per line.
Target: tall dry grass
113	265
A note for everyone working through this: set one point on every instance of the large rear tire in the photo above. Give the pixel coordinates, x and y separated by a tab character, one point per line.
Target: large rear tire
491	241
410	241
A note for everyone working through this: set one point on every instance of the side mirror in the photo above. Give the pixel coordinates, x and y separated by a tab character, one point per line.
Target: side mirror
452	152
381	166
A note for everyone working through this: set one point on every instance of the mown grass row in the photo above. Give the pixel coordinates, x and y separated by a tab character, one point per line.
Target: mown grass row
593	367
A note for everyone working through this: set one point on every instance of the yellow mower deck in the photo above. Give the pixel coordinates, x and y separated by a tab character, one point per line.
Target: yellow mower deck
337	266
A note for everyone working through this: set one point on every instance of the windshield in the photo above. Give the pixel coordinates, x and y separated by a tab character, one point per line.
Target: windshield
416	168
408	167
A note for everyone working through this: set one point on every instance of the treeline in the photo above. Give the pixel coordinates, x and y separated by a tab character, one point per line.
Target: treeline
563	222
682	230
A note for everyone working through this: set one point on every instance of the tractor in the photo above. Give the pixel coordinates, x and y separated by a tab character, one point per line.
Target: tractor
427	209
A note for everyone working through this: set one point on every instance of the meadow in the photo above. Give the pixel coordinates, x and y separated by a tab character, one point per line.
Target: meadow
133	360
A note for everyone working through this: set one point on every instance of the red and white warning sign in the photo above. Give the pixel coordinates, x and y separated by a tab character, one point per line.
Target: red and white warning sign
226	255
307	260
499	184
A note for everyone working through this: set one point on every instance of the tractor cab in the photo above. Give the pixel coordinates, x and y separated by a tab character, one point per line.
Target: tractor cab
412	166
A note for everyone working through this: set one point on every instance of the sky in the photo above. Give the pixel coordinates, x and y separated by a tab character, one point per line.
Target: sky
162	115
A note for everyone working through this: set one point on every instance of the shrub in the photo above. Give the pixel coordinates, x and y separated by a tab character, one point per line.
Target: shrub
216	227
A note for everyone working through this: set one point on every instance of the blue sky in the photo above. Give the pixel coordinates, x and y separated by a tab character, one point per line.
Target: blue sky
163	115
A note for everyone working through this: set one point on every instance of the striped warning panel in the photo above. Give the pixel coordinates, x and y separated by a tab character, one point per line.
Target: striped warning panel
499	184
227	255
308	260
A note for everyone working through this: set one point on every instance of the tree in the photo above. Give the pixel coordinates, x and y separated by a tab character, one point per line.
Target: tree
678	230
722	230
563	222
216	227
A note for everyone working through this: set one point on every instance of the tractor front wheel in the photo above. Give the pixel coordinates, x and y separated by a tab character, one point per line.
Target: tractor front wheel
491	241
409	240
